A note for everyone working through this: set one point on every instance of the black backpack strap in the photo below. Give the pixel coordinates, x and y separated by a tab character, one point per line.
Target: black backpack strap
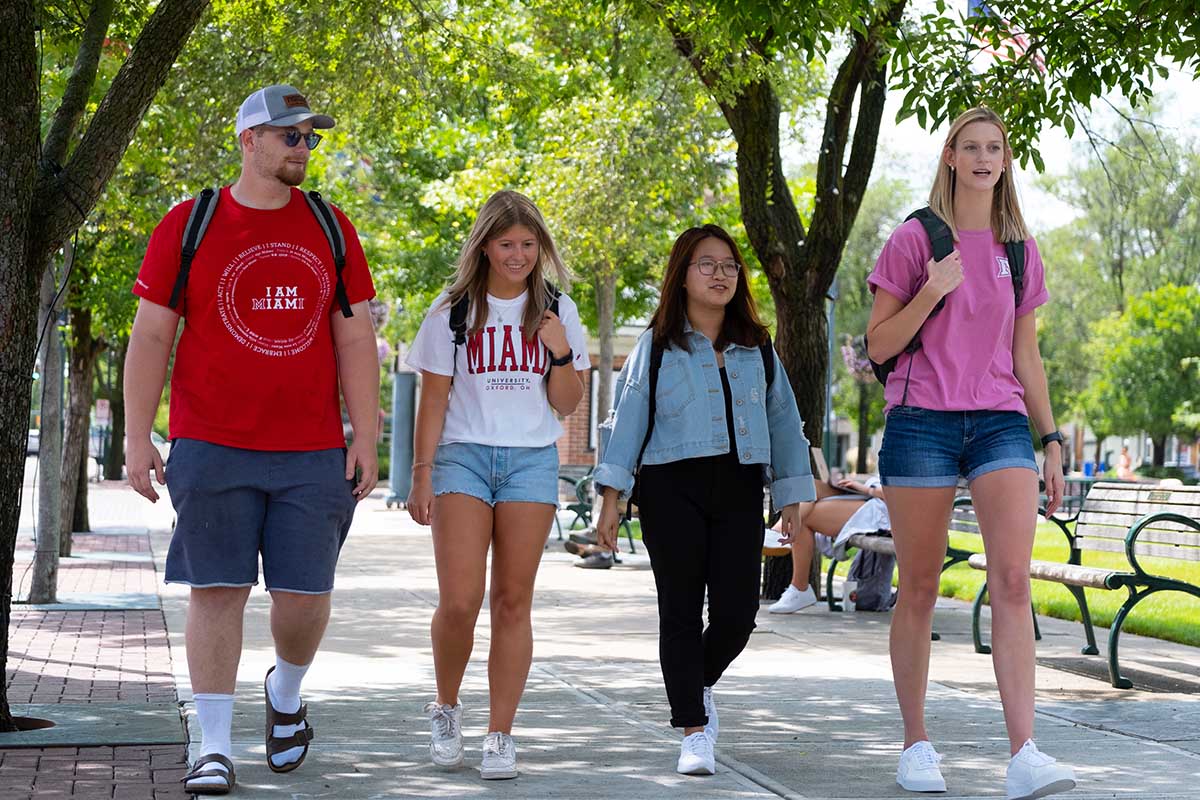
323	211
458	319
656	357
193	233
767	351
1016	265
554	294
936	229
940	238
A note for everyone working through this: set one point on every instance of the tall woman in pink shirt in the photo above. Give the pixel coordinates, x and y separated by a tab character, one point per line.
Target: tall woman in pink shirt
959	406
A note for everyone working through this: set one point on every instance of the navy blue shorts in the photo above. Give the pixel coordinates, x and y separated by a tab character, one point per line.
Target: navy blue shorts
233	505
935	448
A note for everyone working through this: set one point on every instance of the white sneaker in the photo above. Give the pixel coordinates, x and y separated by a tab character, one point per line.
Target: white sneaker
918	770
1032	774
445	727
499	757
793	600
696	755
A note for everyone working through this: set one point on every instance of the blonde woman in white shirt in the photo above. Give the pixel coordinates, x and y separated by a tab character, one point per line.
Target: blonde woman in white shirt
499	353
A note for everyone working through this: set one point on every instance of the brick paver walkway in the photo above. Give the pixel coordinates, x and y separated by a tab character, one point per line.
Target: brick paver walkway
92	657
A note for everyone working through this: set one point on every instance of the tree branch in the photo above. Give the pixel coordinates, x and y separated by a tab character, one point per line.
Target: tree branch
79	84
61	202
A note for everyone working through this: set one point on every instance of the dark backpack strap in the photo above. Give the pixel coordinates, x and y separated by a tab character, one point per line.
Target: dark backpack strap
193	233
1016	266
767	351
940	239
554	294
323	211
656	357
458	319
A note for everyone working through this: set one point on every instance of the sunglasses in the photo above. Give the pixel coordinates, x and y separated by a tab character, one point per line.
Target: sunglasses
293	137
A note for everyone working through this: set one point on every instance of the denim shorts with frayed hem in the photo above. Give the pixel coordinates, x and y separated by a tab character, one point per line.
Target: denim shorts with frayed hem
924	448
233	505
497	474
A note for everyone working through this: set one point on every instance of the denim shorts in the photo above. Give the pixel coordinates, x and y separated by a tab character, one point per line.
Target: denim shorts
232	505
935	448
497	474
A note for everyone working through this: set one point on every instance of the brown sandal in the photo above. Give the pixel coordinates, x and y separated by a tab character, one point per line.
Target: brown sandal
277	744
197	772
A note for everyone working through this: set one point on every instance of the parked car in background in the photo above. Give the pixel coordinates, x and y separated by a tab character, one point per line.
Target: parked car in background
31	443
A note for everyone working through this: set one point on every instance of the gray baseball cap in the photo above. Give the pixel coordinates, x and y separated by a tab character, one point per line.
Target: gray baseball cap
279	105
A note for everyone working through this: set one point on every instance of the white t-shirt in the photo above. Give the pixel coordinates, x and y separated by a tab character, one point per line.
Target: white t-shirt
498	397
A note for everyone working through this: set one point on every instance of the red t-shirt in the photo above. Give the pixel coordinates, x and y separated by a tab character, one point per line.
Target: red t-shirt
256	367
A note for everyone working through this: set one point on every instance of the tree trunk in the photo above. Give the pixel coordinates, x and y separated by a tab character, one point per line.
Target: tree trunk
864	411
606	303
84	351
79	521
37	214
50	448
115	459
1160	449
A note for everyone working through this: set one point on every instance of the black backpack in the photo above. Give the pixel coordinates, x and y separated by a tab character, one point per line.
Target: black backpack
766	350
202	214
942	241
458	318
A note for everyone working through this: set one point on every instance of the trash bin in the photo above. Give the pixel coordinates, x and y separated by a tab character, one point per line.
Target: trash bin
404	408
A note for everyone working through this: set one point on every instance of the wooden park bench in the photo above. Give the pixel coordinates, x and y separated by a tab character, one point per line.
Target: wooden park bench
1137	520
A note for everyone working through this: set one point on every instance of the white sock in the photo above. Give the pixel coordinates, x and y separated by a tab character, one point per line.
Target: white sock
215	712
284	689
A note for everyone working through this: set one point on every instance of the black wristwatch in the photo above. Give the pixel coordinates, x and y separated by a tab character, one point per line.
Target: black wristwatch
566	359
1053	436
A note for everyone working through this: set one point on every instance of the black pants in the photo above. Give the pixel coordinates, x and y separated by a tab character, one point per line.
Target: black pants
702	523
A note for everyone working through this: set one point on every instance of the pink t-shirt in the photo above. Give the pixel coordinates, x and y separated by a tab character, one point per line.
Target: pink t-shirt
965	360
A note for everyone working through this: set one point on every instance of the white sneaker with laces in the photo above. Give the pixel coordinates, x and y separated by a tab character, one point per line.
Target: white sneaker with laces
793	600
710	710
918	770
499	757
1033	774
445	727
696	755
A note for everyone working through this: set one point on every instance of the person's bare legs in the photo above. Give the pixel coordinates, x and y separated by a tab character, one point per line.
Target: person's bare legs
1006	505
826	517
213	635
920	518
516	554
462	532
298	623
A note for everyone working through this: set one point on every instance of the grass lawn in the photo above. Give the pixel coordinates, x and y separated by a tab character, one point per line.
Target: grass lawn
1173	616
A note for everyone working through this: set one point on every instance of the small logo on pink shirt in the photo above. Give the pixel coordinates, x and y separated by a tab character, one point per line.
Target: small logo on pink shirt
1004	270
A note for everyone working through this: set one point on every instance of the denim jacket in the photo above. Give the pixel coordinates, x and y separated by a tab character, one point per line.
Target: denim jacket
689	420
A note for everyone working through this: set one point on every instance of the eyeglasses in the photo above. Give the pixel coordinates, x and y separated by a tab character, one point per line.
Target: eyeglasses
708	267
293	137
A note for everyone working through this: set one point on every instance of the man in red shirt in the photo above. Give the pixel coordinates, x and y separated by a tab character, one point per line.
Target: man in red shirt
258	465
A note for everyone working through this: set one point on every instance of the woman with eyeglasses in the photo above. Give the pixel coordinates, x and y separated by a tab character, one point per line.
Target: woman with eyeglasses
722	425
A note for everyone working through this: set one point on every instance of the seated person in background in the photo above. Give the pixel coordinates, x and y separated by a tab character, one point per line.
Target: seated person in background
836	504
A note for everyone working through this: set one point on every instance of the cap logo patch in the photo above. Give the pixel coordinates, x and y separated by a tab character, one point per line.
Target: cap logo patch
295	100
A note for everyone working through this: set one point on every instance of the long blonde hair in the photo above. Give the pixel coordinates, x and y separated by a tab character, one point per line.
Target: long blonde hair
503	210
1008	224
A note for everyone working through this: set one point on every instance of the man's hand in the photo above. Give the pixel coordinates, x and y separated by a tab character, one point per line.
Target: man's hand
141	456
361	458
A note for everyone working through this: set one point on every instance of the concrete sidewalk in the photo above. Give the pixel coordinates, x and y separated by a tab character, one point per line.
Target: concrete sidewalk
807	711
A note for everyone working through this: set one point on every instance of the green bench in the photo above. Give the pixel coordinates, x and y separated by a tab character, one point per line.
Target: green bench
1137	520
962	520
